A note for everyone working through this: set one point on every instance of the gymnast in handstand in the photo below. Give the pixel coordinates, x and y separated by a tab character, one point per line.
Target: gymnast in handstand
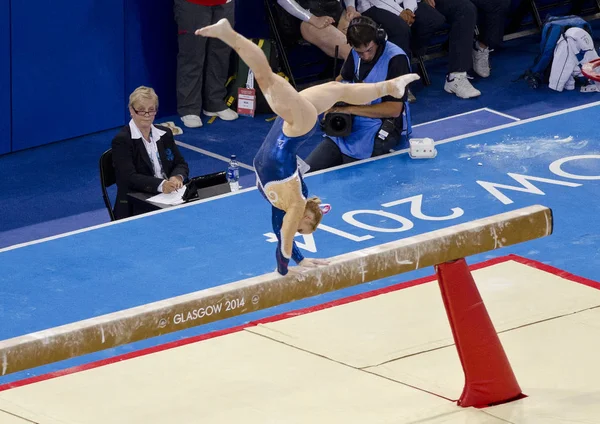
276	165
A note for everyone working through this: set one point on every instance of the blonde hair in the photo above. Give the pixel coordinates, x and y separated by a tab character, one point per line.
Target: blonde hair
143	93
312	205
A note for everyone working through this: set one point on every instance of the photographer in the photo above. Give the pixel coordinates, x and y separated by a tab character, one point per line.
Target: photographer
377	127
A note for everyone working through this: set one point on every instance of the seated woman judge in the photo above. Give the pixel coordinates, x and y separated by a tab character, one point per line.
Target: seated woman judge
145	156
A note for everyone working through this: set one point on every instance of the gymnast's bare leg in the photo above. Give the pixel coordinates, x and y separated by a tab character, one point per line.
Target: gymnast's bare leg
300	110
276	167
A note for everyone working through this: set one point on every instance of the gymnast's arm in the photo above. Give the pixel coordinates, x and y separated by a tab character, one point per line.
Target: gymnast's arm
278	218
288	211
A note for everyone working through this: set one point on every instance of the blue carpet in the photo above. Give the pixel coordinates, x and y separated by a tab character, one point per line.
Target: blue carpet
55	188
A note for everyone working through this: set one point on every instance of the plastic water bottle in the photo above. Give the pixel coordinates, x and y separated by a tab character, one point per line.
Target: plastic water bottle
233	174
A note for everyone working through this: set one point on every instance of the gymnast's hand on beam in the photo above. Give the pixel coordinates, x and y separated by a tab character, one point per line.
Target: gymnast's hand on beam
306	264
313	262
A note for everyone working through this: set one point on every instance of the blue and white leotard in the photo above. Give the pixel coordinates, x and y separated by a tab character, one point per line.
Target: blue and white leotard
276	163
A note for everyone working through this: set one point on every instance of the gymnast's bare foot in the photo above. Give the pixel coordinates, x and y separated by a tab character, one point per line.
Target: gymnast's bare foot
218	30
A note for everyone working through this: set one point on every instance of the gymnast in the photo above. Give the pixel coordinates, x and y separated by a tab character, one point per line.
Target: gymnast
278	176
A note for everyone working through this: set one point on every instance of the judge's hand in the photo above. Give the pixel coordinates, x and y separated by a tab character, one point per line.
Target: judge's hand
177	181
169	187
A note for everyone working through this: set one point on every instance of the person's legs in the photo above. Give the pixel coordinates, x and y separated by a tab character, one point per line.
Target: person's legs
191	55
427	21
325	155
383	147
396	28
299	114
218	55
324	96
326	39
462	16
492	19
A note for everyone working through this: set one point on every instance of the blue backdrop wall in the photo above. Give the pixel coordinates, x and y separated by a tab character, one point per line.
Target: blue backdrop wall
151	51
4	76
74	64
251	19
67	69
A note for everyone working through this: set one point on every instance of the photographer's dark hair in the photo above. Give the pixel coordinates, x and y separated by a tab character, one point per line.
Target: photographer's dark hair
361	31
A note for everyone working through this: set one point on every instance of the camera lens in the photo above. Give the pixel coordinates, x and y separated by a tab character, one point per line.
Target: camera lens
338	123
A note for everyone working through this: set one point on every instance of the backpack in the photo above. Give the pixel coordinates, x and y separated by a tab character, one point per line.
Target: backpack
239	78
554	27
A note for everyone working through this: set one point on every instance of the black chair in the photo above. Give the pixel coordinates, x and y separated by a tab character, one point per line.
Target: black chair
311	65
107	179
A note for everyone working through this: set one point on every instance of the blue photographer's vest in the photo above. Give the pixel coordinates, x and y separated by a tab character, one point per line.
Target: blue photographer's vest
359	144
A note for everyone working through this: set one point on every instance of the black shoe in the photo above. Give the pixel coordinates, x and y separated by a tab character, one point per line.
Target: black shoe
411	97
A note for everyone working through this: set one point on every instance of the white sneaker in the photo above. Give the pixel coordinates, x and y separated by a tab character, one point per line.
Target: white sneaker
192	121
225	114
458	83
481	60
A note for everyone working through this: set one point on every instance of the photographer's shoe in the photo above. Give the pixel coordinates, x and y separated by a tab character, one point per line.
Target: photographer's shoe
458	83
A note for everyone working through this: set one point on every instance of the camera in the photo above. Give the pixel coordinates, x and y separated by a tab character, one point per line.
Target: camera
337	124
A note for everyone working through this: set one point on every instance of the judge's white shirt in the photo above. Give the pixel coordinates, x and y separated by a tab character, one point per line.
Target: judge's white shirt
151	148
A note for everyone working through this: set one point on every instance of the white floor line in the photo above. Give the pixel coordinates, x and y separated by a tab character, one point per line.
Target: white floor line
514	118
450	117
131	218
520	122
444	141
212	155
463	136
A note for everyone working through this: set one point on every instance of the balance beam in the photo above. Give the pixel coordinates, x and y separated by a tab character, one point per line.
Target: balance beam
256	293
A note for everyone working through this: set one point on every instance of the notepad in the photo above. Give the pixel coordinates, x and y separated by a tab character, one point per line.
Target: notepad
172	198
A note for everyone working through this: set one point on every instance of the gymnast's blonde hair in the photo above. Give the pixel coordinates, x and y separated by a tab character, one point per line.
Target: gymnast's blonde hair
312	205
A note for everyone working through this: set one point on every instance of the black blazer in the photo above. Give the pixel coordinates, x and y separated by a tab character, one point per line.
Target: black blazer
133	168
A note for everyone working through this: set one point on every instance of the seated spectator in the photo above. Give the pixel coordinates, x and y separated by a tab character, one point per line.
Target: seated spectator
464	53
202	65
376	127
395	17
490	22
322	23
145	156
461	15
